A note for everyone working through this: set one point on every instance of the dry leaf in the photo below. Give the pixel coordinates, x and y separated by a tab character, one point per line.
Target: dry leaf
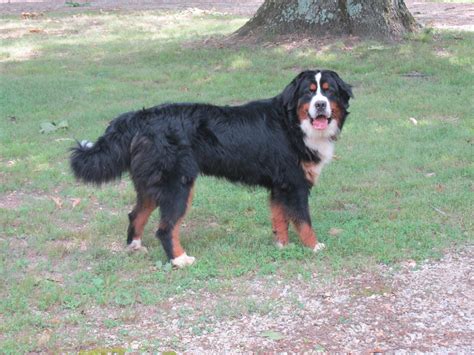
335	232
43	339
57	201
75	202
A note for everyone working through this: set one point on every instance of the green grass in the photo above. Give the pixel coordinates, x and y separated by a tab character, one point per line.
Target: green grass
397	190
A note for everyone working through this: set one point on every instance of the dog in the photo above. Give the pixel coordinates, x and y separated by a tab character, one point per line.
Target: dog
281	144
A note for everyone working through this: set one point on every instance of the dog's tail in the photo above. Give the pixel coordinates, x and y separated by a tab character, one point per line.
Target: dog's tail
109	157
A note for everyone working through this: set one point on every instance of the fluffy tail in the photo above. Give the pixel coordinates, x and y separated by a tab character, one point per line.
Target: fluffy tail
109	157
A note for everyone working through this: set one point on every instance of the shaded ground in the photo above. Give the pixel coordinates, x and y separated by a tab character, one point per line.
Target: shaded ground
439	15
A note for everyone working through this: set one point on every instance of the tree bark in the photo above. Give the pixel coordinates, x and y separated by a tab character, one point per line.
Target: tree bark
365	18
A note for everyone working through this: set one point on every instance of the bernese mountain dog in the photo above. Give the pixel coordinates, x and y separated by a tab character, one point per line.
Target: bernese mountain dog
281	144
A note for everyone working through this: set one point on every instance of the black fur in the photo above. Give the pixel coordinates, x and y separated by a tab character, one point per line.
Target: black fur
166	147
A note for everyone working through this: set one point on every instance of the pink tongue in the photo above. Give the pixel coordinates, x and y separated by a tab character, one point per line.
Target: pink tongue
320	123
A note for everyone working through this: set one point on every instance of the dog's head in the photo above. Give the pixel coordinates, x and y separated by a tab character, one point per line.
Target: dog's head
319	99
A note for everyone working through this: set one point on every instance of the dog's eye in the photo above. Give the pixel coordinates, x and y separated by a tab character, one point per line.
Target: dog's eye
313	87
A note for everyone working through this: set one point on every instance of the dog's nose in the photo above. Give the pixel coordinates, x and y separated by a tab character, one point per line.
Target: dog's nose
320	105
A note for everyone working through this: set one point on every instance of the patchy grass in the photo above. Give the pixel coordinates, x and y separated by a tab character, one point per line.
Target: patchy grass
397	190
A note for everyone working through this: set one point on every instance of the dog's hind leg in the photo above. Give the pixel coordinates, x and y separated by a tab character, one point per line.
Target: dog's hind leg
174	202
138	219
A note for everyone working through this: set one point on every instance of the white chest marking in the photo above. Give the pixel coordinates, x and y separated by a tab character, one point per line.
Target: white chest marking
320	141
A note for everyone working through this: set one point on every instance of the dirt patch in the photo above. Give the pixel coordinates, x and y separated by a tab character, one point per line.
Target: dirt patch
454	16
407	307
439	15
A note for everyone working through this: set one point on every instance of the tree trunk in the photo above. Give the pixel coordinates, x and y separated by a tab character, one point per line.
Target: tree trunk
365	18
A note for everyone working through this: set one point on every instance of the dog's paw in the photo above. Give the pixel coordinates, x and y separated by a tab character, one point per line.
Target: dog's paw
280	245
183	261
136	246
319	247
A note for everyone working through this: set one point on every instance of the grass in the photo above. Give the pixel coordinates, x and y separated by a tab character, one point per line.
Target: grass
397	190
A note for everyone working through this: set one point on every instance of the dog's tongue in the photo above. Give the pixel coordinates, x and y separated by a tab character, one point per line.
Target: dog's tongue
320	123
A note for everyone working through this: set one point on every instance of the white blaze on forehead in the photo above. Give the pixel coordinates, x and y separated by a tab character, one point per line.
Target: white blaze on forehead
318	81
319	97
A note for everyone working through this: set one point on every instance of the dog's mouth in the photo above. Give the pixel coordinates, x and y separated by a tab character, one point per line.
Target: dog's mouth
321	122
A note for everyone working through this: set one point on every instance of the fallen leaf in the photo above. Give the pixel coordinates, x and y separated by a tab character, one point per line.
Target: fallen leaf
43	339
430	174
36	30
57	201
270	334
409	263
63	124
75	202
334	232
48	127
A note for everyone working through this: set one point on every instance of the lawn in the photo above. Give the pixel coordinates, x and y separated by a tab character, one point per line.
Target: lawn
400	188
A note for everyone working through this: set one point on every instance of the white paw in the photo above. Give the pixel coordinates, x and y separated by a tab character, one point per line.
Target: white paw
183	261
86	144
318	247
136	245
280	245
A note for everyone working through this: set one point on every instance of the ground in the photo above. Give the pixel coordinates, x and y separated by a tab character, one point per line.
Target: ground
394	208
425	307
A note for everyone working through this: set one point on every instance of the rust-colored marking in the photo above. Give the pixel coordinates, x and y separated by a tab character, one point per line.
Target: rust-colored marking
325	86
313	87
306	234
279	223
177	249
310	173
303	111
144	212
336	112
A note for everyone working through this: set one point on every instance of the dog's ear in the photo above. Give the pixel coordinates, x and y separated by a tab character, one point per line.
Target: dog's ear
289	93
344	89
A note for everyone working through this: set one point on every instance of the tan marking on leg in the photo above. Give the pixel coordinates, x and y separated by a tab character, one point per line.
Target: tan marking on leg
279	224
146	209
306	234
142	218
176	244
